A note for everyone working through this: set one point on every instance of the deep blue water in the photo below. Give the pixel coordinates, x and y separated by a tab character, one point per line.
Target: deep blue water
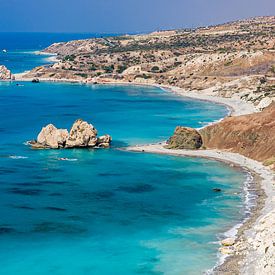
109	211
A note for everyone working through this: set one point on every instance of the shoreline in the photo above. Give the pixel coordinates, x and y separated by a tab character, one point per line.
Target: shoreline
237	262
235	106
263	177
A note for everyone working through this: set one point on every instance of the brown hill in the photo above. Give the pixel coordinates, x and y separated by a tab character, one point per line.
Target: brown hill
250	135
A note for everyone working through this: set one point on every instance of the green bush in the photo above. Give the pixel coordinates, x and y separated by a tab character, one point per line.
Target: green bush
121	68
108	69
154	69
69	57
82	75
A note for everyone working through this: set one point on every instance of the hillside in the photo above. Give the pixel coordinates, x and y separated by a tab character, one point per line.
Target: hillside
233	58
250	135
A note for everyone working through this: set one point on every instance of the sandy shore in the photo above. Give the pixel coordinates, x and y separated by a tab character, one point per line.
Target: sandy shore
52	57
236	106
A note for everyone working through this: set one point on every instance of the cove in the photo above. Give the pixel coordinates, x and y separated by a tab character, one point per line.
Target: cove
109	211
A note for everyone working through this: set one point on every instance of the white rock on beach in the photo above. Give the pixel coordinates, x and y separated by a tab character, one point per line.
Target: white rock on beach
226	250
264	103
228	241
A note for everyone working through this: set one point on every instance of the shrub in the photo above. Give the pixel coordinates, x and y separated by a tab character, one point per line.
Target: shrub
93	68
69	57
82	75
121	68
269	161
108	69
154	69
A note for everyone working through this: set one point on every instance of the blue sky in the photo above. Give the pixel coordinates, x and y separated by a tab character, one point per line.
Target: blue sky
123	15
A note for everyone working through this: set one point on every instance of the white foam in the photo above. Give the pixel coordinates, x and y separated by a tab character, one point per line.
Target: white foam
249	202
67	159
17	157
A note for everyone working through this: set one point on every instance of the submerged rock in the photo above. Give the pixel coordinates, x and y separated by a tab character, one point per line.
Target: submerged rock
185	138
82	134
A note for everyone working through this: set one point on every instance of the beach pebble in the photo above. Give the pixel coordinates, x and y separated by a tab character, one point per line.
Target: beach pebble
226	250
228	241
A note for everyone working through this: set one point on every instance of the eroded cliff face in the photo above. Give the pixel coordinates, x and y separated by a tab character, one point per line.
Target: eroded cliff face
250	135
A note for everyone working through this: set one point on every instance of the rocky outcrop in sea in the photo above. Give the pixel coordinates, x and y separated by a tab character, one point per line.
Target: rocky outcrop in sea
81	135
5	74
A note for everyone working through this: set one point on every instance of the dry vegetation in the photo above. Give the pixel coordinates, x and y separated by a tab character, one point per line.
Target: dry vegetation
237	57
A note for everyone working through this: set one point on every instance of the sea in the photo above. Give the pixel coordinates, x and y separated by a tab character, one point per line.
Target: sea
106	211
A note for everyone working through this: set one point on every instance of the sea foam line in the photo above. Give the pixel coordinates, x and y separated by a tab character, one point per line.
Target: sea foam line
249	202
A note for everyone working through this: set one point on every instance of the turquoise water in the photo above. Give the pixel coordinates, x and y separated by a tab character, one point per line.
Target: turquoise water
107	211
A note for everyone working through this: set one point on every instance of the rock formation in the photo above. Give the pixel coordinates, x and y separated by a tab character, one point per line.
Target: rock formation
52	137
185	138
251	135
82	134
5	74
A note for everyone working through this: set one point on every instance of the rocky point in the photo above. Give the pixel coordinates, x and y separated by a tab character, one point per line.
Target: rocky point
81	135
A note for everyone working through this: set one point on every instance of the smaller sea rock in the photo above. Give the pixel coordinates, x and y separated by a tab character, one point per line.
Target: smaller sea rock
5	74
185	138
228	242
104	141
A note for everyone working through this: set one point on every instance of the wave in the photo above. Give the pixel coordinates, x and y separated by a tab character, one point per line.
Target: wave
17	157
67	159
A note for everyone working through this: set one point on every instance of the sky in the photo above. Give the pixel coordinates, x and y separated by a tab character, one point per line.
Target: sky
123	16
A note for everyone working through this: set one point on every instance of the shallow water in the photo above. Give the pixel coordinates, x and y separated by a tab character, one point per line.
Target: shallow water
106	211
109	211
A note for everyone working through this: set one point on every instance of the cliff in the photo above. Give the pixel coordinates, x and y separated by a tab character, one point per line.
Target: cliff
251	135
